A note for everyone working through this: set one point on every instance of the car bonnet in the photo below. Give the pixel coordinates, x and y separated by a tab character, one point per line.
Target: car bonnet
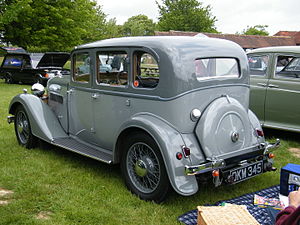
53	60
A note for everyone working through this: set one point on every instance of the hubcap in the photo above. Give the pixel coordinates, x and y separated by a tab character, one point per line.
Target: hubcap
235	136
143	167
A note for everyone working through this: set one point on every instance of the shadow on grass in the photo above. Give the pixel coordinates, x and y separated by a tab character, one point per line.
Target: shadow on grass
282	134
80	160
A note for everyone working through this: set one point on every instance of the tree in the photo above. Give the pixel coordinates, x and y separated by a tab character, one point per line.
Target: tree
185	15
51	25
256	30
139	25
112	30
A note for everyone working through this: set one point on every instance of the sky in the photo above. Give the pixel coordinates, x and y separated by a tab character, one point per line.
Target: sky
232	15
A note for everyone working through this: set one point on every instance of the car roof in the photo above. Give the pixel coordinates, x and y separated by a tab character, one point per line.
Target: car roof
282	49
208	46
12	49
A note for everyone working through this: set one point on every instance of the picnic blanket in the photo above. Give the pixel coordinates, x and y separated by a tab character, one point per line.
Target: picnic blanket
260	214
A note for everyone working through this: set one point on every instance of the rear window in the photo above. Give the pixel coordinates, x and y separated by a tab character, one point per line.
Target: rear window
214	68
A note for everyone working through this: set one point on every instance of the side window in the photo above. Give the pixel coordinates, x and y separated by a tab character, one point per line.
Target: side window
145	70
258	65
287	67
13	62
81	65
26	63
282	61
112	68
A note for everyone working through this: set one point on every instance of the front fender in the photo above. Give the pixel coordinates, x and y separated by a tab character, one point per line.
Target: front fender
44	123
169	141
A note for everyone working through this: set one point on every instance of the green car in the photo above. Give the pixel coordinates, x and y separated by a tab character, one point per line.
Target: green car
275	86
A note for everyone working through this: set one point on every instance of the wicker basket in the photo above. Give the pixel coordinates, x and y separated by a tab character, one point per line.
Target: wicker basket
225	215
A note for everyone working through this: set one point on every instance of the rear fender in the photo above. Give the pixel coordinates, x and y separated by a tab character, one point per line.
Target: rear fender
255	125
44	123
169	141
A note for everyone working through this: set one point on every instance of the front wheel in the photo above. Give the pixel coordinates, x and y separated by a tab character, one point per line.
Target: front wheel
23	129
143	168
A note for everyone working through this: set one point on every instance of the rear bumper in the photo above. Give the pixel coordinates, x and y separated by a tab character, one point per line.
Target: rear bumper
219	163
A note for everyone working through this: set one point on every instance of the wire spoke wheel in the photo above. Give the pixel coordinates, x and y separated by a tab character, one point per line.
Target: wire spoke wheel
143	167
22	128
22	124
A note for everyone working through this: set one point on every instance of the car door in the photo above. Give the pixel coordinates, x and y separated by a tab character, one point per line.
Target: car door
259	65
282	107
111	104
80	98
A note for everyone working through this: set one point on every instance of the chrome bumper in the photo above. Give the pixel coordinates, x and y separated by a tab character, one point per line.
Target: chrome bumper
215	164
272	146
10	119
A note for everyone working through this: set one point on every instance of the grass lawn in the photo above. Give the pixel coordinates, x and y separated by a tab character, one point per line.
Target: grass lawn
54	186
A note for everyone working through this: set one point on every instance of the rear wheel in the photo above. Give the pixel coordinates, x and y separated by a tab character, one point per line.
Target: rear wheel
143	168
8	78
23	129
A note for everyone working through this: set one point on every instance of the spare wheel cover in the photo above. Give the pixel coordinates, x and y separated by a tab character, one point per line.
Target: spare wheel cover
224	127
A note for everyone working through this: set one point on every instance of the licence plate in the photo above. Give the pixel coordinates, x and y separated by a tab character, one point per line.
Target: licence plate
246	172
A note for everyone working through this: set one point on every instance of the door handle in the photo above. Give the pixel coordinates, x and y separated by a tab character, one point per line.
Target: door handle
273	86
95	95
70	91
262	84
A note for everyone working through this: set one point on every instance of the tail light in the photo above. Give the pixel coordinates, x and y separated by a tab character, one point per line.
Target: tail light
215	173
259	132
179	155
46	75
271	155
186	151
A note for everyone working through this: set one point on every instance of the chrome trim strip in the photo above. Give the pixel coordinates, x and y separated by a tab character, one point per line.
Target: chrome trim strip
81	153
128	94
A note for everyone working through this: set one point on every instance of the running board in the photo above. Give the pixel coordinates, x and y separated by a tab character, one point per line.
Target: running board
75	146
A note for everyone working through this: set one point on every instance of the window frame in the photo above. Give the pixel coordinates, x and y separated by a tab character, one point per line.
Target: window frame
282	77
227	77
73	68
267	68
97	70
134	68
12	57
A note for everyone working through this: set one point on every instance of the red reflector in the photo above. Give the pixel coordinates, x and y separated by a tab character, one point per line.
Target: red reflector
136	83
260	133
271	156
186	151
179	155
215	173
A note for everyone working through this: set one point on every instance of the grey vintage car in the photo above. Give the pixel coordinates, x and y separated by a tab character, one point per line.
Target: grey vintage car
275	86
170	110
